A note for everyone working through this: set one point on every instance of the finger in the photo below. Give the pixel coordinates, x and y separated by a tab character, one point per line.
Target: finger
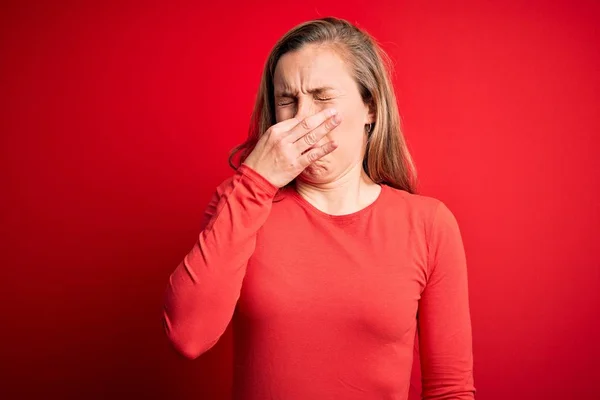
313	137
309	123
284	126
315	154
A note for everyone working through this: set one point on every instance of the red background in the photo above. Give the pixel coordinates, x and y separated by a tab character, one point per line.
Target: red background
116	122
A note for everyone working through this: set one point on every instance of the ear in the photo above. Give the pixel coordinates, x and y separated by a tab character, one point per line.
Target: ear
370	117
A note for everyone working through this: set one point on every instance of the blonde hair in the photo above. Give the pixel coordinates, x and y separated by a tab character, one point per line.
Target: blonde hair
387	159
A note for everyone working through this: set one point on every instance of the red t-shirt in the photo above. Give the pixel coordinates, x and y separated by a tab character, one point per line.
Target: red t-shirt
326	306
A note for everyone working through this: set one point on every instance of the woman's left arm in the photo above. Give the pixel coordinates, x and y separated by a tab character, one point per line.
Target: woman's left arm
444	322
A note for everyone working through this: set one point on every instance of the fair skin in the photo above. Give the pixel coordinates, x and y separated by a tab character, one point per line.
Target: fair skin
307	143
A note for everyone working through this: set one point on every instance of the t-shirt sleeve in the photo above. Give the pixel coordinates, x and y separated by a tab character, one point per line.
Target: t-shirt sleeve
203	290
444	323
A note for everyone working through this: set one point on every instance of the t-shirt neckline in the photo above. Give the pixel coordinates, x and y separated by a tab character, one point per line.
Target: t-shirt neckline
341	218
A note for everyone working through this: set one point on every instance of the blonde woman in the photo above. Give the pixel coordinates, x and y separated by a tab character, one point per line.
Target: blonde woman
318	249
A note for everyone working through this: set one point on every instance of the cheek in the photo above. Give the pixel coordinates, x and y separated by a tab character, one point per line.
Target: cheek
281	115
350	132
284	113
349	143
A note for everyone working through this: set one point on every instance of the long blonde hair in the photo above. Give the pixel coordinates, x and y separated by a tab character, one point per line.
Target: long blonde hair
387	159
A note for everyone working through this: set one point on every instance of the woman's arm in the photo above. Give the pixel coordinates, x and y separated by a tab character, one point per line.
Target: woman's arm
203	290
445	338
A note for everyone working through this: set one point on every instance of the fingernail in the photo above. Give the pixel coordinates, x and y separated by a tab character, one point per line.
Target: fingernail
336	119
332	111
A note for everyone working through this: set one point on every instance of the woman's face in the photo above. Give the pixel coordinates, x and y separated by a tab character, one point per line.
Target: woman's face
312	79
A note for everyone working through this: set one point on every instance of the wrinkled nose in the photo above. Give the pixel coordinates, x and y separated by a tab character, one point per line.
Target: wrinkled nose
305	109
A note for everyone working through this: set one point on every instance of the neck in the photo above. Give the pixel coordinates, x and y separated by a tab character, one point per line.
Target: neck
350	192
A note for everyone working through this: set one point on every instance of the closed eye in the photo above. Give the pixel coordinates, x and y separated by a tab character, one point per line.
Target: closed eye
284	101
287	102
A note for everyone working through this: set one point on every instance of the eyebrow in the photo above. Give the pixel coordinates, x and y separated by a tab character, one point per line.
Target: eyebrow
289	93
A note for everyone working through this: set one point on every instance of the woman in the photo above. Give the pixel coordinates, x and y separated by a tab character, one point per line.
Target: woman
318	249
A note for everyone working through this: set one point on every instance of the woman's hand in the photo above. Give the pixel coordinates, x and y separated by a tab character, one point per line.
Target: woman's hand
281	153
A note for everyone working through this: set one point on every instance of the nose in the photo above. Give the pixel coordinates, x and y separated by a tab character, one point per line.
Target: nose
304	109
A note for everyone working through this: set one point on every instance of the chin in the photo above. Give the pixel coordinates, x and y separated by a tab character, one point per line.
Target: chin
316	173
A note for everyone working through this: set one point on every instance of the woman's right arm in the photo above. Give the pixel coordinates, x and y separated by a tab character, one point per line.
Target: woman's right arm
205	287
203	290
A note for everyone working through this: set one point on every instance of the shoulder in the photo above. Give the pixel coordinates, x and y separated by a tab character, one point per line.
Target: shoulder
425	206
432	212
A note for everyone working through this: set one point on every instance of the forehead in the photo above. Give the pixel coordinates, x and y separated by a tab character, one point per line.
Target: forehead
312	65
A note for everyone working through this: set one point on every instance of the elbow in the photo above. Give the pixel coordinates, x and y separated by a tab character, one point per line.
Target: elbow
184	346
183	341
186	349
